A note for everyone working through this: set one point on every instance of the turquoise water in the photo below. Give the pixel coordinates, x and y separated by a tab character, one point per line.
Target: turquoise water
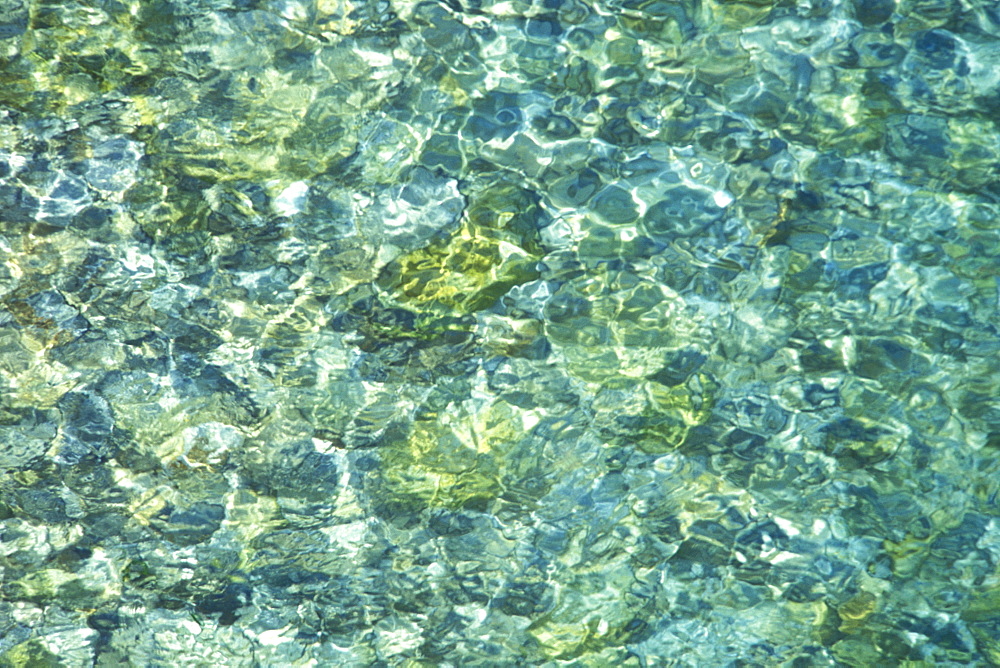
499	333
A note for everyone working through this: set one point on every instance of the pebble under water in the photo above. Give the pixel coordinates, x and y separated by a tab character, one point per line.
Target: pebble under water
499	333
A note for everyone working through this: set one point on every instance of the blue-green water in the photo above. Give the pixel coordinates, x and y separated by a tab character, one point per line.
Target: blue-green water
499	333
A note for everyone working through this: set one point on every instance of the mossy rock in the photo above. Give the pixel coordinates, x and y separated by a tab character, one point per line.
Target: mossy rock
585	626
71	591
31	653
457	458
494	249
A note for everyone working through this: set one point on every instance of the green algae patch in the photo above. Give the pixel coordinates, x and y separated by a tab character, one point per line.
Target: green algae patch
458	458
74	591
984	605
673	411
615	327
468	272
494	249
30	653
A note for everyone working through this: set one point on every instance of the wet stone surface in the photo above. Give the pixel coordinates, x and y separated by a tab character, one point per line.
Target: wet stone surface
499	333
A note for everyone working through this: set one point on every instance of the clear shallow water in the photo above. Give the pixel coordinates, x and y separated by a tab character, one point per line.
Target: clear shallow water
495	334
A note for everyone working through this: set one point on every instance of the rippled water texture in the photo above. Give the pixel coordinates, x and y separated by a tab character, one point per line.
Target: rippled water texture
472	333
